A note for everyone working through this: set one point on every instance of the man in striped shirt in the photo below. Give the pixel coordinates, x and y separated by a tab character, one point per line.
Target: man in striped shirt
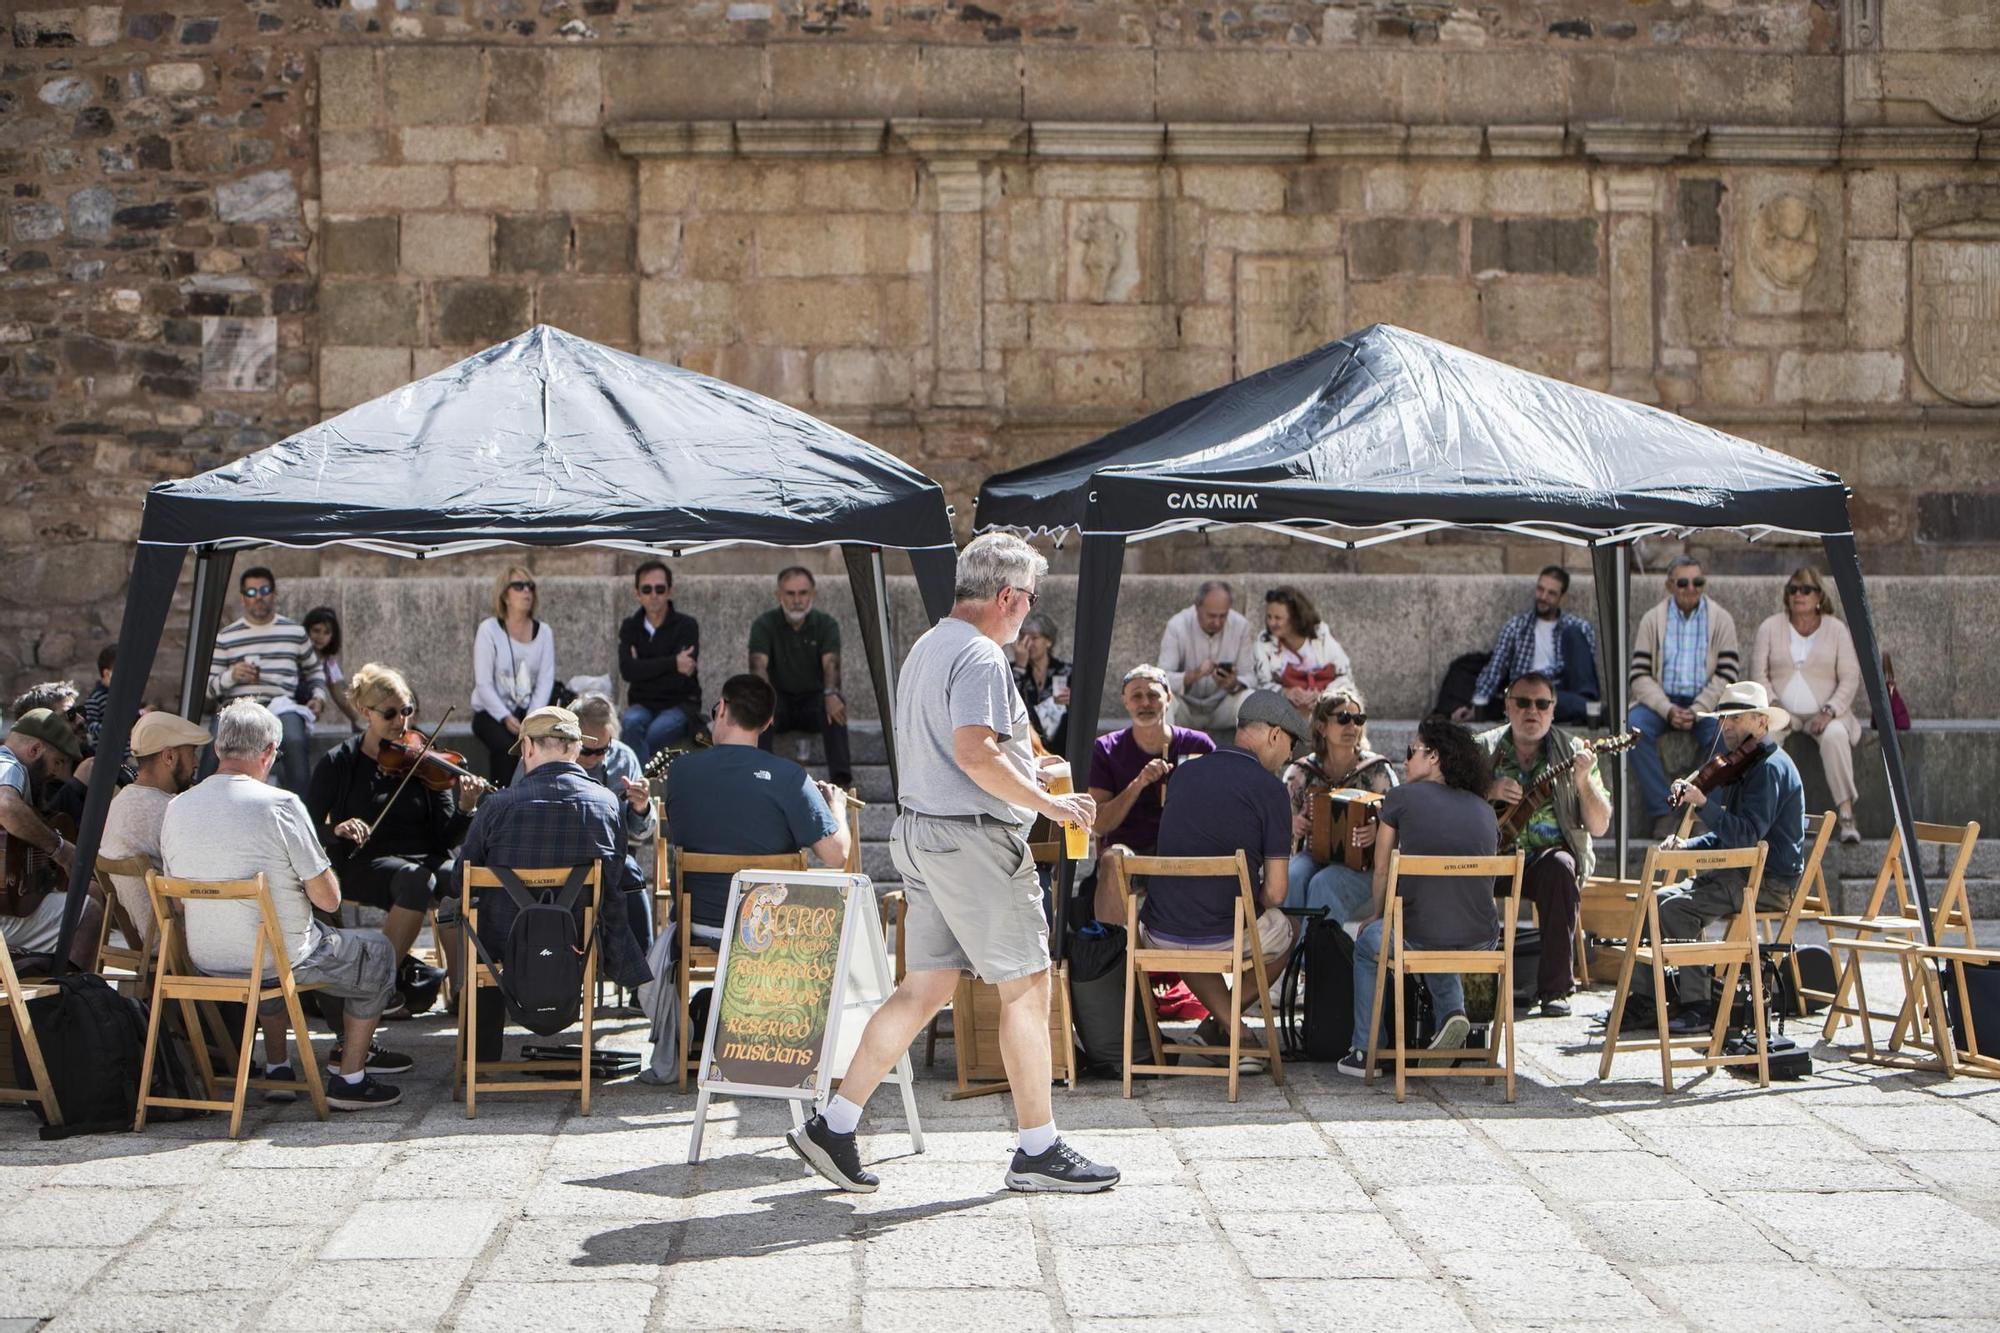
267	657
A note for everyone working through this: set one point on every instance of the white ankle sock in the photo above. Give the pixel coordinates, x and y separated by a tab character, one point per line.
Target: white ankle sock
842	1115
354	1079
1038	1140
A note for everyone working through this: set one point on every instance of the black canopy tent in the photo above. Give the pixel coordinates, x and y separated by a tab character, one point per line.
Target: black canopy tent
1388	434
545	440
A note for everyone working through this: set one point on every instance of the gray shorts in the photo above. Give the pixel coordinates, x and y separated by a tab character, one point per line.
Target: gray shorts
975	904
355	966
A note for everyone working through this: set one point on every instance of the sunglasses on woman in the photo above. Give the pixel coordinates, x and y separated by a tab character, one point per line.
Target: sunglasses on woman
1348	719
1414	751
391	714
1799	589
521	585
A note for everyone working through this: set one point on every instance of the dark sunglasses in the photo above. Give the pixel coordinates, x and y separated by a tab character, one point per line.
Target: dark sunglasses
521	585
651	589
258	592
1691	583
391	714
1528	705
1349	719
1796	589
592	751
1414	750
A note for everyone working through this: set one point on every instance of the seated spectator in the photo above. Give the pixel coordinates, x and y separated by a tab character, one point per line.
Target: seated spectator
1297	654
323	628
269	659
100	693
1683	657
1340	761
1043	680
1549	641
1440	810
1129	768
234	826
513	669
732	799
553	815
611	763
657	646
1209	655
39	752
797	649
1804	657
1222	803
65	795
168	748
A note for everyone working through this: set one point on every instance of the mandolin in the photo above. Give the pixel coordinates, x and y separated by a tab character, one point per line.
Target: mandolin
1514	818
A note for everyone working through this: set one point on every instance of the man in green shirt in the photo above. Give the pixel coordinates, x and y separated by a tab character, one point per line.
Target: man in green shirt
797	649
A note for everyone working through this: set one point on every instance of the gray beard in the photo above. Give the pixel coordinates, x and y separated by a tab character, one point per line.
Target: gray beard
797	620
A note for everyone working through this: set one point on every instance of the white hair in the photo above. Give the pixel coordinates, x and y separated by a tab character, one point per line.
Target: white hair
995	561
245	730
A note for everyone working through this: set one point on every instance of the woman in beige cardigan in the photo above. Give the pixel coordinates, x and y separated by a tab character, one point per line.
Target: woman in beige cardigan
1805	657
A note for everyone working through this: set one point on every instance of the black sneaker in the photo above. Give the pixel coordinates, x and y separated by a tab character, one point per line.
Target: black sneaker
379	1061
832	1155
281	1074
1061	1170
1354	1064
369	1093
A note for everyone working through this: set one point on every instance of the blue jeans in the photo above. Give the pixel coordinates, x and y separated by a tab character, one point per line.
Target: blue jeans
1447	990
648	730
1647	770
1344	893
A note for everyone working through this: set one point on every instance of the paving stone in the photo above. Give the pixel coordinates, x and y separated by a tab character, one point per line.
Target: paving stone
88	1218
1758	1157
1256	1186
222	1258
1492	1218
1277	1245
408	1229
121	1312
1786	1299
1379	1163
256	1198
1530	1286
1142	1215
1589	1177
185	1164
1919	1128
402	1294
581	1307
963	1250
1145	1280
893	1310
35	1283
1425	1306
1877	1230
1556	1133
474	1171
785	1290
1676	1230
1926	1294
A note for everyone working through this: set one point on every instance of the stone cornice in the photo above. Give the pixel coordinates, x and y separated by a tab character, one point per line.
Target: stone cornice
1269	142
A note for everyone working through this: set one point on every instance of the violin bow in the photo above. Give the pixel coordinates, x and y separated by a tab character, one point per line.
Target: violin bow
415	763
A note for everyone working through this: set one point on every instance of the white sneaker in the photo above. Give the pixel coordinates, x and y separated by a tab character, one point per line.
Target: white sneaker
1452	1033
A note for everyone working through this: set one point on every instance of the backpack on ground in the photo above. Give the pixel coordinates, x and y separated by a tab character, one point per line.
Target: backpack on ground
93	1043
1317	1008
540	967
1097	999
1461	678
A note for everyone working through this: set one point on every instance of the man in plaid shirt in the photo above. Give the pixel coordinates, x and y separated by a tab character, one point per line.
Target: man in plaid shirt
1549	641
555	814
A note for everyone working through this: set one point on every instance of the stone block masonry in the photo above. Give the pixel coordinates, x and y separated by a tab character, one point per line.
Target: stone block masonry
979	234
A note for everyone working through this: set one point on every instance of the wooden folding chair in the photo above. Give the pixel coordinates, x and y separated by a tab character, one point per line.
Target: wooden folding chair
174	978
1777	930
1230	963
37	1090
1399	961
1607	910
131	959
1883	933
1735	951
1981	1061
467	1069
697	960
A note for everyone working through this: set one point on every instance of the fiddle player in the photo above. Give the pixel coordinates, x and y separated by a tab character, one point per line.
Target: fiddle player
404	864
1557	835
1763	802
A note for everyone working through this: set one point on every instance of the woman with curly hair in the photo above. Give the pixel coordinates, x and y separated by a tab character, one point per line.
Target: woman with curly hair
1297	654
1440	810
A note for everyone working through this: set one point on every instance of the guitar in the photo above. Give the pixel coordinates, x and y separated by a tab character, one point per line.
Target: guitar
655	772
1514	819
31	874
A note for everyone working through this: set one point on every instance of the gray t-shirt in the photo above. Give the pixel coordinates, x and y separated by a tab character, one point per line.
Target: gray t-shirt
14	773
232	827
132	828
957	677
1442	911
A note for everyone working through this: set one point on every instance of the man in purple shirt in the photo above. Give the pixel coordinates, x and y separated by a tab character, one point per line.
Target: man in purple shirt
1129	769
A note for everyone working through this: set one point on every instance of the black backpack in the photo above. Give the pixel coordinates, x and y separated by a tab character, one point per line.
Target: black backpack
1461	678
540	967
93	1043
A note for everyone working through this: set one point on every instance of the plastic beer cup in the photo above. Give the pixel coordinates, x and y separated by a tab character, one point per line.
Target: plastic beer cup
1076	838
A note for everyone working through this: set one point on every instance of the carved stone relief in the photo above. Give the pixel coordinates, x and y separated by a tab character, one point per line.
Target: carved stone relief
1789	243
1285	305
1785	244
1104	252
1955	316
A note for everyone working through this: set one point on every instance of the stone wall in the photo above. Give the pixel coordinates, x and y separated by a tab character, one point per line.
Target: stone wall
977	234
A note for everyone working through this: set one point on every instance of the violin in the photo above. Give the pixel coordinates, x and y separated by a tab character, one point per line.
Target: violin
1723	769
436	769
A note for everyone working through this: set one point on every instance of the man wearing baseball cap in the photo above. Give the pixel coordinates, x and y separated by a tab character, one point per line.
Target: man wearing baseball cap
40	748
1766	804
168	750
1217	805
1129	768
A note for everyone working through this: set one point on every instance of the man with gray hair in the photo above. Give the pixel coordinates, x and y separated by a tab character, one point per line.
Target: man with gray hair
970	787
1208	651
233	826
1683	657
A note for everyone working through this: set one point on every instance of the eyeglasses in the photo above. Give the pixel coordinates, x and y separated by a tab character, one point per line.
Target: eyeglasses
592	751
259	593
391	714
1028	593
521	585
646	589
1528	704
1799	589
1414	751
1349	719
1691	583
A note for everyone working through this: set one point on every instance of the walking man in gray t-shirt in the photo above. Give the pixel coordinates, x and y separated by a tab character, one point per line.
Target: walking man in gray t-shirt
970	787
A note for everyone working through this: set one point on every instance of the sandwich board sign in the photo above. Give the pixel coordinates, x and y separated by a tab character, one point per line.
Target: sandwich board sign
801	969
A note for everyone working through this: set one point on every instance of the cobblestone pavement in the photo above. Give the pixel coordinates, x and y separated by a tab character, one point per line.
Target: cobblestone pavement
1861	1198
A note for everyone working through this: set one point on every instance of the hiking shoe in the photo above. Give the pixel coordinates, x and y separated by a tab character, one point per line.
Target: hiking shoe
366	1095
1060	1170
379	1061
1452	1033
281	1074
1555	1007
832	1155
1354	1064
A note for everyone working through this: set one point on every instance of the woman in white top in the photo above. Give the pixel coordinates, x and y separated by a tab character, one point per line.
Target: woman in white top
1297	654
1805	657
513	670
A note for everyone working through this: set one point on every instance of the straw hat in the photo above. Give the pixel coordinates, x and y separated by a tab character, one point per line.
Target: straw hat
1748	696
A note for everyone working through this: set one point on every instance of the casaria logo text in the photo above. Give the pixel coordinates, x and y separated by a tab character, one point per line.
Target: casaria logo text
1209	500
